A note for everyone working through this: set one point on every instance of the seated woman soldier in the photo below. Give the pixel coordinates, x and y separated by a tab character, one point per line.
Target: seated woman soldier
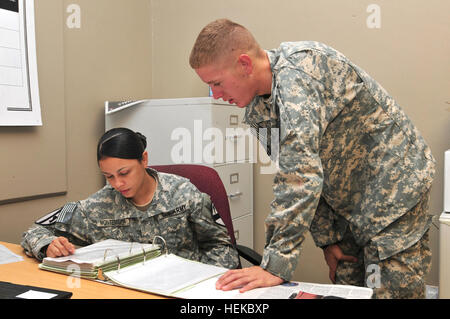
137	204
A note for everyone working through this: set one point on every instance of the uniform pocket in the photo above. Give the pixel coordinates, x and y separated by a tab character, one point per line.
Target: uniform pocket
175	230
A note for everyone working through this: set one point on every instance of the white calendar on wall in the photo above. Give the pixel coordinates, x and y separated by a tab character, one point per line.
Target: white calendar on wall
19	89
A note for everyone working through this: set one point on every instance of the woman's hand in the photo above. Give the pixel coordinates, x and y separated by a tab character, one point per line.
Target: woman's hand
60	247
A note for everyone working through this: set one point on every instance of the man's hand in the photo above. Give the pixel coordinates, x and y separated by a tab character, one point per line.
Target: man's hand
333	254
247	278
60	247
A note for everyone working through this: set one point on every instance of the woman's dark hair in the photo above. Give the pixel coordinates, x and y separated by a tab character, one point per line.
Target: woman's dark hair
121	142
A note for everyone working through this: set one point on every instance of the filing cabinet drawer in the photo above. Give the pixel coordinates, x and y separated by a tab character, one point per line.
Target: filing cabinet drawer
237	179
237	139
228	116
243	230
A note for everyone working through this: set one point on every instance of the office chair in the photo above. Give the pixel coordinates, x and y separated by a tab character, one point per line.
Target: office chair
208	181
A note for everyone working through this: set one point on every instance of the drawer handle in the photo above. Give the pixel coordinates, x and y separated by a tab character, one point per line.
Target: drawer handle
237	194
234	178
234	119
233	138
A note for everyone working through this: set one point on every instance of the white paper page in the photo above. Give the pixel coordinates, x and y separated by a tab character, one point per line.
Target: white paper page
33	294
165	274
19	89
13	63
276	292
7	256
343	291
95	253
207	289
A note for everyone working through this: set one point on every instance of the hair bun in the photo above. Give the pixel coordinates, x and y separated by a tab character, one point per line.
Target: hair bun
143	139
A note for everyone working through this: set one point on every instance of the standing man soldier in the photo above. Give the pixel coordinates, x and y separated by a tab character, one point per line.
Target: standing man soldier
353	169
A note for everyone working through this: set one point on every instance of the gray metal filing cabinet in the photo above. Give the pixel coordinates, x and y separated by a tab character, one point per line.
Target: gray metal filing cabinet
197	131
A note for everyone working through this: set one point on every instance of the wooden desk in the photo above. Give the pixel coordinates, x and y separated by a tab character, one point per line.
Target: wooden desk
26	272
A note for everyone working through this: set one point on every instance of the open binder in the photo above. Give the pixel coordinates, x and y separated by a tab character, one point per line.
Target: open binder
92	261
133	265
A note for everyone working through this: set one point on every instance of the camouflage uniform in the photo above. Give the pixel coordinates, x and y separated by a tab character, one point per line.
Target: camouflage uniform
179	213
350	161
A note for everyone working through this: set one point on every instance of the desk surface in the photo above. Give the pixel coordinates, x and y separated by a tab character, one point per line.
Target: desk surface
26	272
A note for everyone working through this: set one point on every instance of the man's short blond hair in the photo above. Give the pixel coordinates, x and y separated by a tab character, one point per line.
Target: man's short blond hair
221	38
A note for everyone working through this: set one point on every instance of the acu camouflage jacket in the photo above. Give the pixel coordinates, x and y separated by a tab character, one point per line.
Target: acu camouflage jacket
343	141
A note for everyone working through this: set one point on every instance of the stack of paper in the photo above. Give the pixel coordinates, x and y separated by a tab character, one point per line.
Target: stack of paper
92	261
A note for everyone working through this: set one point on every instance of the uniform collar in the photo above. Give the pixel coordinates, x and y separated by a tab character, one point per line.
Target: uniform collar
125	212
262	108
163	185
